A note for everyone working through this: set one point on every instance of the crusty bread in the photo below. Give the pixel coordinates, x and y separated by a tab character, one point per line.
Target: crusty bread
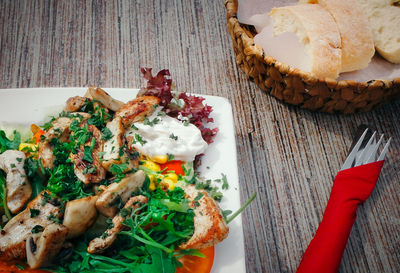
384	19
357	42
317	30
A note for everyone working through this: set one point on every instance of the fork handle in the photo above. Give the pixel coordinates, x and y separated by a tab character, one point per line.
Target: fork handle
351	188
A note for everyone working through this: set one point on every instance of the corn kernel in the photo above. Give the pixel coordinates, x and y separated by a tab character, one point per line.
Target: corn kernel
160	159
152	185
27	147
169	183
151	165
172	176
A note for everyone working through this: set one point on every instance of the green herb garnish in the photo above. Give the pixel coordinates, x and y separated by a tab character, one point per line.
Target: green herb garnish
106	134
34	212
37	229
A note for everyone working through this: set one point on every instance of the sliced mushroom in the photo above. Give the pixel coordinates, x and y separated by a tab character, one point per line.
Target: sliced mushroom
41	248
15	233
119	193
104	98
89	171
18	188
137	109
79	215
210	227
113	147
99	244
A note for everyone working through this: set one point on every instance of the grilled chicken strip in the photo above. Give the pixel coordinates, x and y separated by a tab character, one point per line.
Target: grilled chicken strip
137	109
89	171
74	104
60	129
18	188
104	98
15	233
113	147
119	193
99	244
42	247
210	227
79	215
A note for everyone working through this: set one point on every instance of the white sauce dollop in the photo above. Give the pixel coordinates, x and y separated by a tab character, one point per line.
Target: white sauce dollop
168	136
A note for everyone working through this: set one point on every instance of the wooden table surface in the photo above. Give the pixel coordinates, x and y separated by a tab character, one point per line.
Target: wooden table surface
287	155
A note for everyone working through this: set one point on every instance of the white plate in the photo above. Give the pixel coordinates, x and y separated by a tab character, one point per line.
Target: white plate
34	105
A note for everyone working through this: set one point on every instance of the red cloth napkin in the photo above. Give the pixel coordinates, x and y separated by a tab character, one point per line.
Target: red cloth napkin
351	188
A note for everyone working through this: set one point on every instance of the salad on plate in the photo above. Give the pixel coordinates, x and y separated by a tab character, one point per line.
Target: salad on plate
108	186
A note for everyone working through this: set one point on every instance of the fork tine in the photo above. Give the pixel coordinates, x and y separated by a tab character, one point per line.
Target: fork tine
360	160
385	149
350	158
372	154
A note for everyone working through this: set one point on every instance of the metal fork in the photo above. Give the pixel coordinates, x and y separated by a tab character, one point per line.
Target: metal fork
368	153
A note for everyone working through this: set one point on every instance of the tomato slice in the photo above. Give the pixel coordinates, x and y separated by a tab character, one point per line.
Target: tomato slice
173	165
194	264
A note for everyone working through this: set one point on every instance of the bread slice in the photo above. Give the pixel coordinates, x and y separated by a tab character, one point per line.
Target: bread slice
357	42
384	20
318	32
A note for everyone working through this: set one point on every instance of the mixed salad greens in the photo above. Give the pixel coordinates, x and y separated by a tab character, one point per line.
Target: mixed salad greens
153	231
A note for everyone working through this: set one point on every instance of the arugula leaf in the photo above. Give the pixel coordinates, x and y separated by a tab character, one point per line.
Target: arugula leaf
161	262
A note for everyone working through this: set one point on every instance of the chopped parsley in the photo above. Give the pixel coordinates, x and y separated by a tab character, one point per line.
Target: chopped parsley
174	137
87	153
90	169
99	117
106	134
37	229
139	139
54	218
46	198
199	196
152	122
118	168
119	171
225	184
34	212
48	124
161	114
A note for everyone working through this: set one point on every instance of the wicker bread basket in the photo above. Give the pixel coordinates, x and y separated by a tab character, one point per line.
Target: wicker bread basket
300	88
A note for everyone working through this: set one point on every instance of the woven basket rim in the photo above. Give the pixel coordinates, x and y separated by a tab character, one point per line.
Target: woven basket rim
306	76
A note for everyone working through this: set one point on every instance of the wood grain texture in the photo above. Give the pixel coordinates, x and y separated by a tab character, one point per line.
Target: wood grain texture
287	155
